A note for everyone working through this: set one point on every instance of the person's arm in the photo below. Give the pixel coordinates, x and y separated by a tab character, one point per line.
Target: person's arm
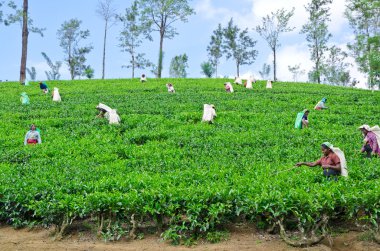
364	144
309	164
26	138
39	138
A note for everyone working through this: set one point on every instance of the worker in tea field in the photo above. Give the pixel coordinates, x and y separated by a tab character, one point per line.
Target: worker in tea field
56	96
24	98
108	113
33	136
333	161
248	83
143	78
209	113
170	88
228	87
269	84
321	104
238	81
44	87
371	143
302	119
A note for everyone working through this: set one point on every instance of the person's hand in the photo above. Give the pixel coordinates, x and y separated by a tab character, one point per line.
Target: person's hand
298	164
325	167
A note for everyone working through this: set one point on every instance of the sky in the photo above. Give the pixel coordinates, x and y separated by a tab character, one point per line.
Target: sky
193	38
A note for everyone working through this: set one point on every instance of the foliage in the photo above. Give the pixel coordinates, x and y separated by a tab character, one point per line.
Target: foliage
238	45
317	35
363	17
215	49
107	12
32	73
335	71
178	66
70	35
160	16
131	38
175	173
207	69
272	26
265	71
53	74
88	72
296	71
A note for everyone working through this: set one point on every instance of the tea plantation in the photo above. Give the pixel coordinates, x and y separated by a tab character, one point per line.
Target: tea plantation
163	167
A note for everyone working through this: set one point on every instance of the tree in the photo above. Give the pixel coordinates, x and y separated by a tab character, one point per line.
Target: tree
296	71
207	69
70	35
264	73
363	17
22	16
271	28
131	38
32	73
53	74
106	11
159	16
317	35
214	49
178	66
238	45
335	69
88	72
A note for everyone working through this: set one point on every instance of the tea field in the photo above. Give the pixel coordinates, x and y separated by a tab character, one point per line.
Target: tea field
163	167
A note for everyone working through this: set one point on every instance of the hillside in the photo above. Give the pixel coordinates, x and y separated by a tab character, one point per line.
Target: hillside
168	169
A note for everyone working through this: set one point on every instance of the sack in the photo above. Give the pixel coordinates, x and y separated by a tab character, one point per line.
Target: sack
298	123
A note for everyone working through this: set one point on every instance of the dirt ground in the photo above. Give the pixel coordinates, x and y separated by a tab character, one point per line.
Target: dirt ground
243	239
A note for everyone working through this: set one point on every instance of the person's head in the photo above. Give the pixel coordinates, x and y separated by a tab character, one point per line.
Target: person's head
364	129
143	75
32	127
324	100
40	83
306	112
326	149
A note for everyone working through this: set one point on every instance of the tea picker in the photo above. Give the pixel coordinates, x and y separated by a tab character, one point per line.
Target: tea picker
333	161
228	87
24	99
170	88
108	113
56	95
209	113
321	104
371	142
302	119
143	78
44	87
33	136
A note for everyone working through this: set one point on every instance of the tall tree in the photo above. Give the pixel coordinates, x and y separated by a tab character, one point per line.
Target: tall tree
317	34
159	16
264	73
22	16
238	45
364	19
214	49
272	26
70	35
178	66
335	70
107	12
53	74
131	38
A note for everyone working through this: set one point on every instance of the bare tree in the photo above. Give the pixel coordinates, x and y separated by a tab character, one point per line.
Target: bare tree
271	28
106	11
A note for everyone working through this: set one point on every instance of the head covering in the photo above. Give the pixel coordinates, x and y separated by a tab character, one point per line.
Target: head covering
342	158
24	94
364	127
324	100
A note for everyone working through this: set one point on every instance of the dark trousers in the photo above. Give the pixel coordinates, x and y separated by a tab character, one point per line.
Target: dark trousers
368	150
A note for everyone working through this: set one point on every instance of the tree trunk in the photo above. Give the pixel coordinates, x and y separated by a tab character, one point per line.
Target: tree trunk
237	69
274	65
104	49
160	56
216	70
25	34
133	66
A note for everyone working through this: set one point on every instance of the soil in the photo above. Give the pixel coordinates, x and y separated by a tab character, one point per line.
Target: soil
241	239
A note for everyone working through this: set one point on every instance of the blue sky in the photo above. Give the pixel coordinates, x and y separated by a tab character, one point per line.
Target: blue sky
193	37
